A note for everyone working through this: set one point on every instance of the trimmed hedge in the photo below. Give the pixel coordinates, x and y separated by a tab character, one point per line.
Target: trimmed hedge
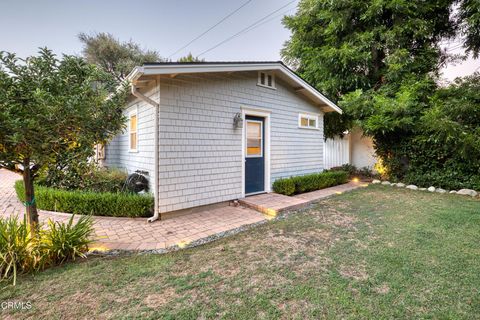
309	182
86	202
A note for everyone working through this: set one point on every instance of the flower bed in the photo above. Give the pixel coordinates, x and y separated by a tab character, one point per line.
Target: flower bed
86	202
23	251
309	182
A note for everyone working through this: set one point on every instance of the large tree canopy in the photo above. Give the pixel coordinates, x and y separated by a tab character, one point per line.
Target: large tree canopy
380	60
116	57
49	107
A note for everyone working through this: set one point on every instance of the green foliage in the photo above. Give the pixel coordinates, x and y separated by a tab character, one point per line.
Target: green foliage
18	250
115	57
22	251
65	241
88	202
190	58
343	46
380	61
53	111
284	186
469	25
89	178
309	182
354	172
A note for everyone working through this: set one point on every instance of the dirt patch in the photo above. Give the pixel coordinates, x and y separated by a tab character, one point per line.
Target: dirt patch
354	272
156	300
383	289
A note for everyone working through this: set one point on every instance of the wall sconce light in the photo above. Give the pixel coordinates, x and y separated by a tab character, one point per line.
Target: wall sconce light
238	120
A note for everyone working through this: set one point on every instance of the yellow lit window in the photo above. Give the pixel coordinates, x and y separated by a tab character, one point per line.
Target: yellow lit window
133	132
254	139
308	121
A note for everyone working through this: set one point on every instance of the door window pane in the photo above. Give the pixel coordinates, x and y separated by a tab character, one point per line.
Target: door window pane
254	139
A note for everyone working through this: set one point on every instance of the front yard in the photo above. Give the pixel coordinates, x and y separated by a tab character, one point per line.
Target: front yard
373	252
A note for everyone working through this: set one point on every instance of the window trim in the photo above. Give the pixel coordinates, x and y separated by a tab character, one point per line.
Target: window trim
261	139
266	74
309	116
130	114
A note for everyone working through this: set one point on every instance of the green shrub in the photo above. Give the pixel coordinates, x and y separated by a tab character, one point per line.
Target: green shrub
448	179
88	202
94	179
22	251
65	241
353	171
309	182
18	252
284	186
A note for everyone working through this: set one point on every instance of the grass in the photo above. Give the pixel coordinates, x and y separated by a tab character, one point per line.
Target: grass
376	252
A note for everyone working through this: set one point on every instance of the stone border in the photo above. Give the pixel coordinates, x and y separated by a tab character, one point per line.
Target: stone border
463	192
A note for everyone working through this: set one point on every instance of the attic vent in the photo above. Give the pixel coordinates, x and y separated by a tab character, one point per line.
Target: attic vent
266	79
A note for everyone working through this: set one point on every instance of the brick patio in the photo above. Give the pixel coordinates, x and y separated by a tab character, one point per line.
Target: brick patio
137	233
273	203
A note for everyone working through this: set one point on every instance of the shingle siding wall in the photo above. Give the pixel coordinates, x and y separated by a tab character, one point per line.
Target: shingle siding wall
200	150
117	151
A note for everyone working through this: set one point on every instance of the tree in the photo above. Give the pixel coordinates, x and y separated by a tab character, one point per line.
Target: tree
117	58
380	61
50	106
190	58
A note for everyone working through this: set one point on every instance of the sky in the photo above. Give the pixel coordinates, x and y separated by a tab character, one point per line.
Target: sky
162	25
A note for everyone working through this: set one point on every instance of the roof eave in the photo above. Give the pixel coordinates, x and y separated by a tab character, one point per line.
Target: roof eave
164	69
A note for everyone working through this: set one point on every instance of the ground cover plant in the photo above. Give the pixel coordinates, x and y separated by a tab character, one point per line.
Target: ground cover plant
24	251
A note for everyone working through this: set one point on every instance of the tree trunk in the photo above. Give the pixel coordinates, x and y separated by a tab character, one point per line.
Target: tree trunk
30	204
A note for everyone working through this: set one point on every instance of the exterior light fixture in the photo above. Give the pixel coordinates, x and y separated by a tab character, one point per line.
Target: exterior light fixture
238	120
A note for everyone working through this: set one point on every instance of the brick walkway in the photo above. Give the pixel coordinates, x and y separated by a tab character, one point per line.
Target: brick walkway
273	203
137	233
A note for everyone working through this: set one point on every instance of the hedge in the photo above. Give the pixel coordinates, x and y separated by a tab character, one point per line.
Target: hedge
85	202
309	182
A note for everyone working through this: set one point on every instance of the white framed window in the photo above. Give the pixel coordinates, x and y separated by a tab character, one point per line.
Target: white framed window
133	131
266	79
308	121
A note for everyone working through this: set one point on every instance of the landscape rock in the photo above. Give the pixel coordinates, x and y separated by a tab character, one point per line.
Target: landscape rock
453	192
431	189
401	185
376	181
386	183
467	192
412	187
422	189
440	190
393	184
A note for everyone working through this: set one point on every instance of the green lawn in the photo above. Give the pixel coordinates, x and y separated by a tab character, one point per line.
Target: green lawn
376	252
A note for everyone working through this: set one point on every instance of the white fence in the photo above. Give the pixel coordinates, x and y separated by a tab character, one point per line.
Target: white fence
337	152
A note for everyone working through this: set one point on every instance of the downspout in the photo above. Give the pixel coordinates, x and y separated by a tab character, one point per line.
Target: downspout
156	105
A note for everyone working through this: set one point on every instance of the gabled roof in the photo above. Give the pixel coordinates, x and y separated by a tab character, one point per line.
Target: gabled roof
300	85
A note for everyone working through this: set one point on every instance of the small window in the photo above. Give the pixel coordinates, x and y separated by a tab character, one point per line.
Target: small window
133	136
266	79
308	121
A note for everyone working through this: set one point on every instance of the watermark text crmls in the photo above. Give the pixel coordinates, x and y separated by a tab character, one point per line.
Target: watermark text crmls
15	305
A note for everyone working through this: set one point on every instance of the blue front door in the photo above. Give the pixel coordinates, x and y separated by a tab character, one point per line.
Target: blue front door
254	154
